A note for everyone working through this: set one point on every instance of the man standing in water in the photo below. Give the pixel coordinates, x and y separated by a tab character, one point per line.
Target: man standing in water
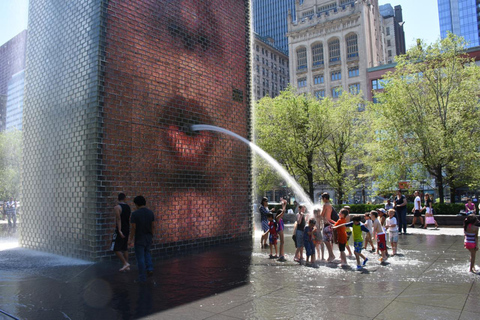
142	229
122	231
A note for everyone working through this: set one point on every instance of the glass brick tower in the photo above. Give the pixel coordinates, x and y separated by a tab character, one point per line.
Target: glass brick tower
270	20
461	17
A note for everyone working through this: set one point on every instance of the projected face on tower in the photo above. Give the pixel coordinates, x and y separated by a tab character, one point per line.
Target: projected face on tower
171	64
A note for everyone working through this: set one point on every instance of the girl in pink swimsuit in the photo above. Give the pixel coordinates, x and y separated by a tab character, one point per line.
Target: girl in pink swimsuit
471	239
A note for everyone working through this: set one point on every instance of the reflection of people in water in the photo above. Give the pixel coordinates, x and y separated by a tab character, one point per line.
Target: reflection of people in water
171	64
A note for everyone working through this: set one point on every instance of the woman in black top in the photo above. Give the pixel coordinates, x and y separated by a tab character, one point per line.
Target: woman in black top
401	210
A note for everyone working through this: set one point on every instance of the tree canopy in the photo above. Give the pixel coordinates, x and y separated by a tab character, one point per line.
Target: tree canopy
427	118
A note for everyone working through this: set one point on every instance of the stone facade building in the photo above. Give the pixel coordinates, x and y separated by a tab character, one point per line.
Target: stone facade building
332	43
270	68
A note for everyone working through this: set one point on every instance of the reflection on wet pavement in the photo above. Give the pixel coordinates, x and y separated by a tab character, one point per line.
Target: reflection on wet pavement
428	279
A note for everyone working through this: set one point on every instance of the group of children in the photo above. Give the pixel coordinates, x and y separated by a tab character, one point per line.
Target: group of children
346	226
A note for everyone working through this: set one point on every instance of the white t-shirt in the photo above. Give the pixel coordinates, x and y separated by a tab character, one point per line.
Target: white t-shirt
418	203
390	222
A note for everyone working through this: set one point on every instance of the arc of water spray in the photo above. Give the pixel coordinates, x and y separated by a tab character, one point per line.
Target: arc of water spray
295	186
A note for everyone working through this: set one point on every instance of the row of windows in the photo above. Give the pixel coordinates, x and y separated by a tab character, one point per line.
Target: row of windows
334	53
334	76
272	55
337	91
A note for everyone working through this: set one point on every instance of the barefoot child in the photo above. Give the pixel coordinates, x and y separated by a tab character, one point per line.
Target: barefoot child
429	219
318	236
272	230
391	226
308	236
349	230
357	229
378	230
342	235
368	236
471	239
281	227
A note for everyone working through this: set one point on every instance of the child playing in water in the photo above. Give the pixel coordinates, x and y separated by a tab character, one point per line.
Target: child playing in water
391	226
378	230
349	230
368	236
318	235
357	229
272	230
471	239
342	235
308	237
281	227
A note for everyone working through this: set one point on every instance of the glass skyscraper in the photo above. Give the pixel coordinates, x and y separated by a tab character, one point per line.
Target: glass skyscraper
270	20
461	17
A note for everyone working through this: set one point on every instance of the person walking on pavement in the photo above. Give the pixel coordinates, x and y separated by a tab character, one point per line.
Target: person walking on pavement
142	229
122	231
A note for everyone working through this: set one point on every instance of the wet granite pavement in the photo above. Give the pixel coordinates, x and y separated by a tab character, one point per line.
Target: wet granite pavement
428	280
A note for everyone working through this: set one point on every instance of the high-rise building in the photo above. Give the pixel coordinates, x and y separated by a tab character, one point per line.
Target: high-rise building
12	61
333	42
14	105
462	18
270	68
392	29
270	20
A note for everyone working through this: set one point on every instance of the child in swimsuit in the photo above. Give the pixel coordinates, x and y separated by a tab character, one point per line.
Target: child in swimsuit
471	239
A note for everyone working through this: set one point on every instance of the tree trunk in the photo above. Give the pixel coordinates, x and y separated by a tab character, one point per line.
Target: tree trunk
311	190
453	192
439	185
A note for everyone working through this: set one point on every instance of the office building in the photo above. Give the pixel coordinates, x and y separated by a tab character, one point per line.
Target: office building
332	43
270	68
270	20
12	61
14	105
462	18
392	30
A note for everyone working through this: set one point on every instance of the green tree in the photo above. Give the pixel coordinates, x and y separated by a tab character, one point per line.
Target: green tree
342	153
427	117
10	164
292	128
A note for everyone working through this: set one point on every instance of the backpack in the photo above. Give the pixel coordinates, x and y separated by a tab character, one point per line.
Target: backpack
334	215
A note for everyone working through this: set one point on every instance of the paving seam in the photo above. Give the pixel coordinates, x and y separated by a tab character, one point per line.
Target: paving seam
463	308
413	282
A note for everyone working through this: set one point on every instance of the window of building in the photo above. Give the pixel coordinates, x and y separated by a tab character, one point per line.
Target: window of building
327	7
388	31
336	75
334	50
258	69
302	58
263	51
317	54
318	79
257	57
336	92
257	48
389	43
302	82
353	72
377	84
389	53
354	88
352	46
319	94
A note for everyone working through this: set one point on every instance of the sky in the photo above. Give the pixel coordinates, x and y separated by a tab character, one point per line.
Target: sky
420	16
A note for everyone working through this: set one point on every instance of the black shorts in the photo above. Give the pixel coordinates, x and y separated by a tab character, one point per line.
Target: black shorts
121	244
341	246
417	213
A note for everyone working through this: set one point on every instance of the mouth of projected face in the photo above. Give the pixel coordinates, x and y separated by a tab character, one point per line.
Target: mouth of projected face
191	149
